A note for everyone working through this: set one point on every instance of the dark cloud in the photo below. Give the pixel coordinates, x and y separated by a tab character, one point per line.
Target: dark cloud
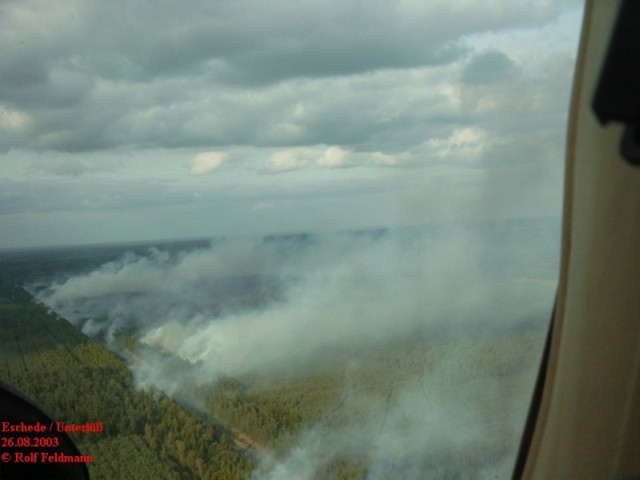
90	76
63	167
487	67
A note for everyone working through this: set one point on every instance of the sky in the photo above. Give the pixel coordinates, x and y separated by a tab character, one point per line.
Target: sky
137	120
132	120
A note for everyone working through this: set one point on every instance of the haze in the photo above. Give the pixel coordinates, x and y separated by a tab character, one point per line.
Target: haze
146	120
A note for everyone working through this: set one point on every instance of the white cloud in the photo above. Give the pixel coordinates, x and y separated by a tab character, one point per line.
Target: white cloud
12	119
333	157
288	160
207	162
462	145
385	159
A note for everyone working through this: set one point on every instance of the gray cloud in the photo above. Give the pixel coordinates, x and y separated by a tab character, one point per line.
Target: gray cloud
118	98
486	68
144	40
69	166
90	76
72	195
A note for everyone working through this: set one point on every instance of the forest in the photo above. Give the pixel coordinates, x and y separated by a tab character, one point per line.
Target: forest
75	379
245	427
146	435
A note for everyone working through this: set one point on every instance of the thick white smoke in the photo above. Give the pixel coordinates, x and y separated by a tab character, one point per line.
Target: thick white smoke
277	306
245	306
460	419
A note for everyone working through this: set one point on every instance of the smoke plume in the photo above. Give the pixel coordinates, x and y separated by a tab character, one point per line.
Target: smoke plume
282	306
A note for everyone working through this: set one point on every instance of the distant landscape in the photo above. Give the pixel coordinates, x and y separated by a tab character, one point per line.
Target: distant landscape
311	240
358	355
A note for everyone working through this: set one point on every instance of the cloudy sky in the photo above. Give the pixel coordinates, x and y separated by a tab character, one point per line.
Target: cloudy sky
130	120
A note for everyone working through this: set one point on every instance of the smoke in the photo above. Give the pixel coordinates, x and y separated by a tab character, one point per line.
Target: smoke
247	306
281	306
460	418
